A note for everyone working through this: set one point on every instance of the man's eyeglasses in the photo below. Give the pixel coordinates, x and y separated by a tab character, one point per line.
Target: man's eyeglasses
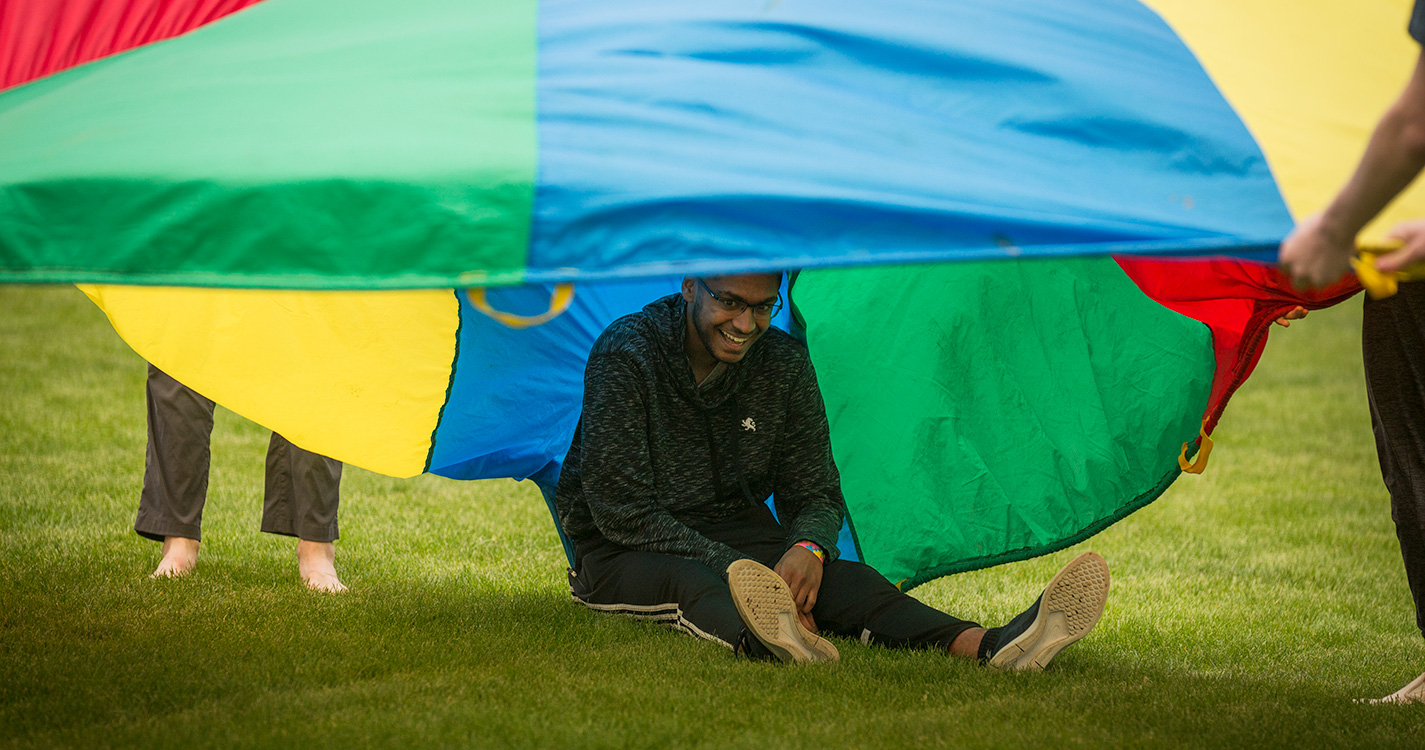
735	306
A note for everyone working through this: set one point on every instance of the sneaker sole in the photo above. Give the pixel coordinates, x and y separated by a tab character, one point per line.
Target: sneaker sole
1072	604
766	606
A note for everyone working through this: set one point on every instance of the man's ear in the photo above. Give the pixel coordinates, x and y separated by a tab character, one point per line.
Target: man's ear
689	289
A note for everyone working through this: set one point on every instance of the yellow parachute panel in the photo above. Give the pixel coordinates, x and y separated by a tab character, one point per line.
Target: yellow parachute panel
357	375
1310	78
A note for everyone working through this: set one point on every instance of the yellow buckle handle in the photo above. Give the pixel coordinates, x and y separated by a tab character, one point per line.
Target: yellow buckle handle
1377	283
558	303
1200	462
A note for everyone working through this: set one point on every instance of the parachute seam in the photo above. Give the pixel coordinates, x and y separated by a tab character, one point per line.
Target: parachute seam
450	385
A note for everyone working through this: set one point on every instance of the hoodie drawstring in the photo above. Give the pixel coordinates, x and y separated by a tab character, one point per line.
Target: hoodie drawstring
736	455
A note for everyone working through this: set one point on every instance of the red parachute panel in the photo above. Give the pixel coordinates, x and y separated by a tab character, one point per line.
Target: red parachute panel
41	37
1237	300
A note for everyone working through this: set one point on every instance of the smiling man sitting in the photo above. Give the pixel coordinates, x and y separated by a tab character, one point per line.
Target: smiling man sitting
696	410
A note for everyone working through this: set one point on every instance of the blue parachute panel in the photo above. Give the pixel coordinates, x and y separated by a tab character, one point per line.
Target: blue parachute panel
515	394
821	131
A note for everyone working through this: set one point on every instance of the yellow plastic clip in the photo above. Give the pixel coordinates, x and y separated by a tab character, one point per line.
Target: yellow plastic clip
558	303
1203	452
1381	284
1377	284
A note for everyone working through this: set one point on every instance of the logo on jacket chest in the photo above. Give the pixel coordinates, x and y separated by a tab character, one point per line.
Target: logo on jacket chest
749	425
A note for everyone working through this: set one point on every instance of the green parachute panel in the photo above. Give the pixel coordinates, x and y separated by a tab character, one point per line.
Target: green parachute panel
990	412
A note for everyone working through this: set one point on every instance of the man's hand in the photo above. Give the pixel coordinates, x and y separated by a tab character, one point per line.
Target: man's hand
801	569
1295	313
1412	233
1314	255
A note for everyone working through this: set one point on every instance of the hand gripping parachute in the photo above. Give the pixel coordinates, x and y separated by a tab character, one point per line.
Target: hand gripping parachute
980	197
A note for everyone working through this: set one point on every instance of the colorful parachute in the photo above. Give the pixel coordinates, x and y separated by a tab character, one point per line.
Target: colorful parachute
981	411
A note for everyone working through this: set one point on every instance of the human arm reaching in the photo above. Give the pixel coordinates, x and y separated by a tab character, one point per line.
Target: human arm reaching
1318	252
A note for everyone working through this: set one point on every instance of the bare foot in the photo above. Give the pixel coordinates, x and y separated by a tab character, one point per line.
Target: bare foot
316	561
180	555
1412	693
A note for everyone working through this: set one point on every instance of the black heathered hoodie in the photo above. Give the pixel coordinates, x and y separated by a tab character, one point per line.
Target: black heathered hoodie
654	457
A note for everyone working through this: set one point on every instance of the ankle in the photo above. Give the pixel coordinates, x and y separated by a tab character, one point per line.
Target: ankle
180	545
968	643
315	552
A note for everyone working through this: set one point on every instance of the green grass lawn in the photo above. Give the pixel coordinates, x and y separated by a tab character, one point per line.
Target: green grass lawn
1249	606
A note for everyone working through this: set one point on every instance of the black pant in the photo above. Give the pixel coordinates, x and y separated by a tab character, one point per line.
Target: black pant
1393	345
302	487
854	599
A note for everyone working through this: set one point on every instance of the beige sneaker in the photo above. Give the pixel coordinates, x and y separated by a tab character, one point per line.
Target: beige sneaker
1412	693
765	604
1068	609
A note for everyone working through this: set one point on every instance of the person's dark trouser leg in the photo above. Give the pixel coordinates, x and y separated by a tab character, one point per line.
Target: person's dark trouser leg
854	599
675	591
175	482
1393	348
858	602
302	494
